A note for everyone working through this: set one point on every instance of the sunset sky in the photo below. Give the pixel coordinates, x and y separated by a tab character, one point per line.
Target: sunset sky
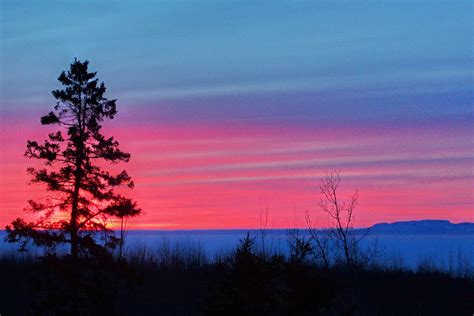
231	107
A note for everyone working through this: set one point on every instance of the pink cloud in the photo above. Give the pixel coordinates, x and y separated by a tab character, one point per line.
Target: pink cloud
215	175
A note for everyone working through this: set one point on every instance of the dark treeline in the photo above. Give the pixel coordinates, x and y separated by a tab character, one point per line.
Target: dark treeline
246	281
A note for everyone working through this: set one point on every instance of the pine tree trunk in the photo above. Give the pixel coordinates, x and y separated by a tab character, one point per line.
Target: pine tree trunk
77	182
75	205
73	223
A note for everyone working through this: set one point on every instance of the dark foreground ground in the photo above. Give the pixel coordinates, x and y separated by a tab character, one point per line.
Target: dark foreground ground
242	284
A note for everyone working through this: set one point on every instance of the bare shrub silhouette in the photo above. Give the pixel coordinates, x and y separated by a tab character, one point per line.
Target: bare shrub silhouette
339	240
300	247
263	229
341	217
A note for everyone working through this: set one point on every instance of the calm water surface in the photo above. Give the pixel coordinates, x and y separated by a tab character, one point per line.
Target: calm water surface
409	249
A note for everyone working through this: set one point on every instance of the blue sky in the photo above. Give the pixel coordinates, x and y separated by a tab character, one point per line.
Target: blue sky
242	60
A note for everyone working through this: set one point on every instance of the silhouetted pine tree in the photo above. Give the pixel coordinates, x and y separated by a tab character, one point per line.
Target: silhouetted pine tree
76	184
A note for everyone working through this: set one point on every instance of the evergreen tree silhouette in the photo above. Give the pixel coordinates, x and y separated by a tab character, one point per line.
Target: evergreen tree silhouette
75	182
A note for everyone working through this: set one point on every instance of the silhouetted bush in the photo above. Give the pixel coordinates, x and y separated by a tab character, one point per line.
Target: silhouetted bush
256	285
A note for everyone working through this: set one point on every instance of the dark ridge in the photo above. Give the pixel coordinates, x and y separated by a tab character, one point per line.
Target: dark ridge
427	226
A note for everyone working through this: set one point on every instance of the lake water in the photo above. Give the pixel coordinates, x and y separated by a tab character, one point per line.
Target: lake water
407	250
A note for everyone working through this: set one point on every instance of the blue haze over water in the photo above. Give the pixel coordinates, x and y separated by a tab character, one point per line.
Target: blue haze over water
409	250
